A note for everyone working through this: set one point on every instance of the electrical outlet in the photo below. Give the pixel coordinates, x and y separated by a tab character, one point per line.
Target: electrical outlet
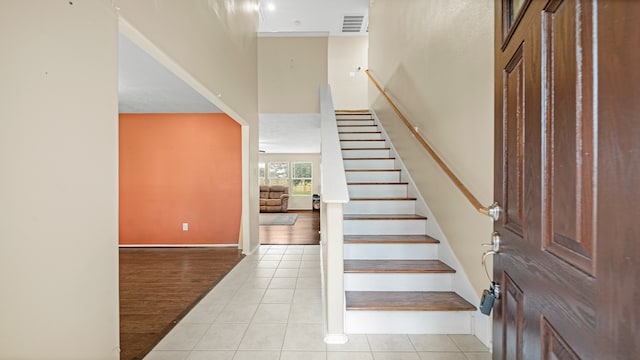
185	226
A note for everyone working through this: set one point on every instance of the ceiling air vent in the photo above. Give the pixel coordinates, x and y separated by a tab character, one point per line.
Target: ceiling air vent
352	23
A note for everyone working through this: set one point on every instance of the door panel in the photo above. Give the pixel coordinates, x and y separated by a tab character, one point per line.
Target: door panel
545	263
514	81
618	180
567	174
513	324
568	135
554	347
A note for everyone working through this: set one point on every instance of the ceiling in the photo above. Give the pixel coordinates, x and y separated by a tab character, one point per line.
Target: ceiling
146	86
311	16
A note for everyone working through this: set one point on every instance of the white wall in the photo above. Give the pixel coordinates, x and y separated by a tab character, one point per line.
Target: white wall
291	71
59	160
298	202
213	46
436	59
348	84
59	182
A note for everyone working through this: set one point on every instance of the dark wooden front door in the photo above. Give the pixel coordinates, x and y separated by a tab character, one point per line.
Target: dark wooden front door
567	174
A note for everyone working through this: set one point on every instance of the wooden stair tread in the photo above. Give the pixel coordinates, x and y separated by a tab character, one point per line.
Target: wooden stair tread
396	266
385	148
390	158
356	120
407	301
389	239
362	139
370	170
359	132
384	217
378	183
353	125
384	199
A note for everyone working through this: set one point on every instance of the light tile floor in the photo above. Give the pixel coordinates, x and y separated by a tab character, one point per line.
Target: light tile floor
269	307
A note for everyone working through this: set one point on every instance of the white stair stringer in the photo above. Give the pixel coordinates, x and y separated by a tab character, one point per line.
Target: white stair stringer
388	193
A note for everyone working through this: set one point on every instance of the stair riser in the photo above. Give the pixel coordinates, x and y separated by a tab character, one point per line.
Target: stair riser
398	282
373	176
359	136
391	251
341	116
377	164
348	128
380	207
377	191
407	322
385	227
356	122
362	144
377	153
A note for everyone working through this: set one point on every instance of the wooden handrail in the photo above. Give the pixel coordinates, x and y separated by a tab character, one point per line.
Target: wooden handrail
472	199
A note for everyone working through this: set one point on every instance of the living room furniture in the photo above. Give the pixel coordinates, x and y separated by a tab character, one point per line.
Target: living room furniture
274	198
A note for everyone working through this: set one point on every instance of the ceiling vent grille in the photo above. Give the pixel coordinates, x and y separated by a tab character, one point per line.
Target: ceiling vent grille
352	23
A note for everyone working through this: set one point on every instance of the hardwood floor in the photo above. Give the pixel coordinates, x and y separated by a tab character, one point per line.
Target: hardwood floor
158	286
304	232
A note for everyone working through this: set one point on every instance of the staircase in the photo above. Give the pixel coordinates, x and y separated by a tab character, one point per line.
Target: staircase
393	279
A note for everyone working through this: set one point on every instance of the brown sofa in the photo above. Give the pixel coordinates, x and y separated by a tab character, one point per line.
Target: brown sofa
274	198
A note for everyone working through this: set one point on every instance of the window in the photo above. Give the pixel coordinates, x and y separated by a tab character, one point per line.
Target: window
301	178
278	173
261	179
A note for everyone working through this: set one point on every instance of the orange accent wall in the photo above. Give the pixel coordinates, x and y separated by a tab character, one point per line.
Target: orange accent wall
177	168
